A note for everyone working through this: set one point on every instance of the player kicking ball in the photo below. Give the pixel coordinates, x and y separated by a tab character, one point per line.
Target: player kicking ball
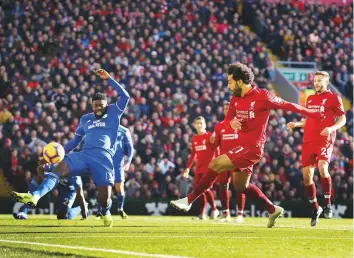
224	138
100	130
248	114
203	152
319	137
69	188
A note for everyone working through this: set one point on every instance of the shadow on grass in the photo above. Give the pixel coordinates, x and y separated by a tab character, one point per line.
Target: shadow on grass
11	251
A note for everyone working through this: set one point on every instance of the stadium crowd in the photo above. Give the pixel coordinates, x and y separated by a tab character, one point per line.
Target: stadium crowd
171	57
299	31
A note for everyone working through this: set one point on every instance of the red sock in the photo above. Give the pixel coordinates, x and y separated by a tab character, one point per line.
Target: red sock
211	199
326	183
202	202
224	196
254	192
205	183
241	200
310	191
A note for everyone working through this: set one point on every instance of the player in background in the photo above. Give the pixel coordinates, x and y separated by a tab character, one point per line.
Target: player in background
223	139
69	188
203	152
319	137
248	114
125	146
100	129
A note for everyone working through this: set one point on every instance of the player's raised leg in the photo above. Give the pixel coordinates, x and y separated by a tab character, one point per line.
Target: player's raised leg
22	214
326	182
217	165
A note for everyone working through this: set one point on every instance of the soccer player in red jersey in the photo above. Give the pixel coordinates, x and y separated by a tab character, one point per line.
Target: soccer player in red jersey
203	152
224	137
319	137
248	114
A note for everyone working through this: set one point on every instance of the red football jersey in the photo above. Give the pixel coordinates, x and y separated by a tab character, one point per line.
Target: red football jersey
225	137
253	109
202	152
331	106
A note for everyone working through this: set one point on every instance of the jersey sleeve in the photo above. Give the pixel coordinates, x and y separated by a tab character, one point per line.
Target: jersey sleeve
338	107
217	135
73	143
128	142
231	114
192	156
274	102
123	98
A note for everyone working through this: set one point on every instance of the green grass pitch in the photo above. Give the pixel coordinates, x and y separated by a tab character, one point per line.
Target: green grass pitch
143	236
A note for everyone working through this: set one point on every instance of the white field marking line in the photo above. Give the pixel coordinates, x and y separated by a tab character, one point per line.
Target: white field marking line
93	249
279	226
196	236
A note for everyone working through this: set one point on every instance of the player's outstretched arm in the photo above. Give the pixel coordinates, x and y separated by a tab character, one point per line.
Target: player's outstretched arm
274	102
292	125
73	143
124	97
80	196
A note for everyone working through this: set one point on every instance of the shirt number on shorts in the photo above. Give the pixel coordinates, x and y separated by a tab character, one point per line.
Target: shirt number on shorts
324	152
66	201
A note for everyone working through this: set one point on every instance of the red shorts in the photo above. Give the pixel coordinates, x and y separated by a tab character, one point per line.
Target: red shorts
312	152
244	157
224	178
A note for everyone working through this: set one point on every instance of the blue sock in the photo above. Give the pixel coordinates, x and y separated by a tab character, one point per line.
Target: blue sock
106	210
120	201
73	212
51	180
31	187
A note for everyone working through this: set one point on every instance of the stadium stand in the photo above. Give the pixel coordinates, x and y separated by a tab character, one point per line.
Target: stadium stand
171	57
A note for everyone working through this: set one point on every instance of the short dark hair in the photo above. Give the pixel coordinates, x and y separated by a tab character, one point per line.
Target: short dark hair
99	96
199	118
241	72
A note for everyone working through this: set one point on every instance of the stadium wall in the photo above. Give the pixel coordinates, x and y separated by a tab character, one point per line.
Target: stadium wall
158	207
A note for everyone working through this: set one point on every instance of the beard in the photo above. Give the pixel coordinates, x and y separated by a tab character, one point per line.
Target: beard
237	92
321	89
101	115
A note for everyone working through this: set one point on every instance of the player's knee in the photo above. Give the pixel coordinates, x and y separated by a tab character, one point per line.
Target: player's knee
323	168
308	180
62	169
241	186
215	165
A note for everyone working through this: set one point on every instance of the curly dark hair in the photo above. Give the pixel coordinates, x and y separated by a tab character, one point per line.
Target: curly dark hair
241	72
99	96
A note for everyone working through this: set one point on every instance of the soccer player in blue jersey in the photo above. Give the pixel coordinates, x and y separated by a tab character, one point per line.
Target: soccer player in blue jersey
69	188
125	146
100	130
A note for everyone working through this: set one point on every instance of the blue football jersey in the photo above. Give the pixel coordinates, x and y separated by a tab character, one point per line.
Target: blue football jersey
124	145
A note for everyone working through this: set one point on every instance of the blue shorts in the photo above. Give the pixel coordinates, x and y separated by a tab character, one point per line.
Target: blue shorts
96	164
119	172
66	198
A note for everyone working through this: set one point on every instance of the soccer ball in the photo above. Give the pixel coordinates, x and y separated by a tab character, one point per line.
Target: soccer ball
53	152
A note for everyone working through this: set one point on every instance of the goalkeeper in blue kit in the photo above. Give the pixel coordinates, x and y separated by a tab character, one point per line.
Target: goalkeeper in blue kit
100	129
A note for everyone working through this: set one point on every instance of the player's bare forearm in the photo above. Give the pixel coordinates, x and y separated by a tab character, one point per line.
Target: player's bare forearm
339	123
300	124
